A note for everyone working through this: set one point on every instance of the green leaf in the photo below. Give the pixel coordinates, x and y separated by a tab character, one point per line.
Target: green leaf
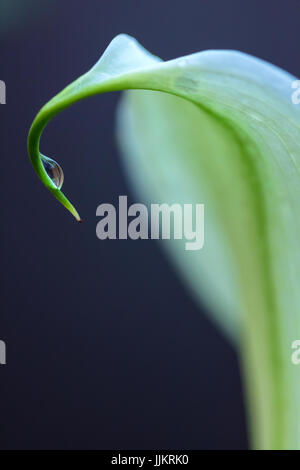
219	128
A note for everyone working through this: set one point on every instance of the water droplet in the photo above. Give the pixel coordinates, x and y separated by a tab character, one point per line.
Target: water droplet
54	171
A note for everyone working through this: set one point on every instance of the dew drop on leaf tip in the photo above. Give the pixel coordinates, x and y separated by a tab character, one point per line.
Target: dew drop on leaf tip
54	171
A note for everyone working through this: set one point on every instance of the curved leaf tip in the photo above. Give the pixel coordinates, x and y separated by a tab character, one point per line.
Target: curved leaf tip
122	57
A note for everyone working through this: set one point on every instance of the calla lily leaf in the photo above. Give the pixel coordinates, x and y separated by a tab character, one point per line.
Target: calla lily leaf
219	128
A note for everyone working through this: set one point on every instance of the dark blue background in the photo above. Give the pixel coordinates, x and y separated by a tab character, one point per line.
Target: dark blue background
105	348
